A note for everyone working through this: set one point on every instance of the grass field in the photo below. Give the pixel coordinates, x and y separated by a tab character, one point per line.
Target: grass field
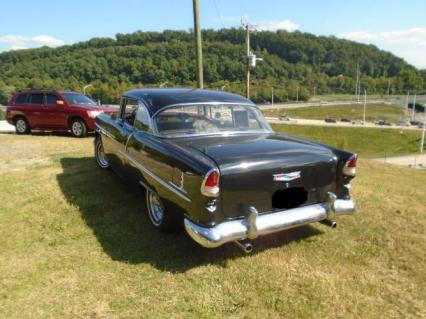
76	243
367	142
334	97
354	111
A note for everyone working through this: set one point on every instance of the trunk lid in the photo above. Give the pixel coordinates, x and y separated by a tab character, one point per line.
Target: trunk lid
269	172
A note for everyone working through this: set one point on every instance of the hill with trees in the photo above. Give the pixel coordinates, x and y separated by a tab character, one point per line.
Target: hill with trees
293	63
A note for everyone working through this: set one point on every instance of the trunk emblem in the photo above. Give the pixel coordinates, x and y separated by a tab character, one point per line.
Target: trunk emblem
287	177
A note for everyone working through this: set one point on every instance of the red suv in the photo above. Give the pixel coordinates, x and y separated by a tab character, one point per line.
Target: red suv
54	111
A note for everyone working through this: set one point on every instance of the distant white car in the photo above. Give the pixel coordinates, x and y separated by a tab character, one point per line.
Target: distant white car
286	118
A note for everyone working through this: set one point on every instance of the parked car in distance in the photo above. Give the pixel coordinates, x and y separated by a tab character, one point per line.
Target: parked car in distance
415	123
210	160
286	118
346	120
357	122
52	110
330	120
402	123
382	123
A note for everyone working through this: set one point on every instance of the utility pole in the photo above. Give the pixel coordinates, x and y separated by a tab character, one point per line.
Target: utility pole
357	81
248	61
297	93
422	141
272	96
406	104
414	106
365	105
197	34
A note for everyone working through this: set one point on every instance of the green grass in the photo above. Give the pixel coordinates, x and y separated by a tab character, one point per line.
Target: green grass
2	115
367	142
76	243
353	111
334	97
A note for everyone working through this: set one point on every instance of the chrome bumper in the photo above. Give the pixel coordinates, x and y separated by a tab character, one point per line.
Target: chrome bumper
257	225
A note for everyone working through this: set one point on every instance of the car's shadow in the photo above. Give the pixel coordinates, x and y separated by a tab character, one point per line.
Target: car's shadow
116	213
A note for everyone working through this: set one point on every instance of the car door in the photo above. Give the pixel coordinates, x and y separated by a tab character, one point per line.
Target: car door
55	112
35	110
149	158
120	132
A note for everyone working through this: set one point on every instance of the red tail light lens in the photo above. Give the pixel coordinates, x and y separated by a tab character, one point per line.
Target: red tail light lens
210	186
349	168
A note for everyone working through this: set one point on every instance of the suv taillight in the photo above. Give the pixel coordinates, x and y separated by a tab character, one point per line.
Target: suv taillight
210	185
349	168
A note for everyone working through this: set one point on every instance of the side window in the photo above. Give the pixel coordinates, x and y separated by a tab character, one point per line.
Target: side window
142	119
21	98
51	99
129	110
36	98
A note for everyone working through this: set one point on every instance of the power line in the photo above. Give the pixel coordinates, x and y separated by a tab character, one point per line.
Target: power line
219	16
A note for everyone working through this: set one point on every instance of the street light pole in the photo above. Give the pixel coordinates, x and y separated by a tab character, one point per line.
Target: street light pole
365	105
272	96
85	87
197	34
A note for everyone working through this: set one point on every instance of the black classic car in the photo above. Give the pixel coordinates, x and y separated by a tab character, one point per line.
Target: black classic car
211	160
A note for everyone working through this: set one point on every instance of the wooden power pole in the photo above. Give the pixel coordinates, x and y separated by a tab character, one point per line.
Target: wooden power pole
197	33
248	61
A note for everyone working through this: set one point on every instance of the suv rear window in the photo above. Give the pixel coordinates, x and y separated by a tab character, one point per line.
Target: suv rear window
36	98
21	98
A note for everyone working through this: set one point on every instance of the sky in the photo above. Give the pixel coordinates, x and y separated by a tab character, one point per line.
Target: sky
398	26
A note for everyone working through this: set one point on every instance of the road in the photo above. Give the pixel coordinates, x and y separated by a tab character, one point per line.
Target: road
414	161
5	127
338	124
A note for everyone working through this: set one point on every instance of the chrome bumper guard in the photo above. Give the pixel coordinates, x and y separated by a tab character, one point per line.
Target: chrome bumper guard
258	225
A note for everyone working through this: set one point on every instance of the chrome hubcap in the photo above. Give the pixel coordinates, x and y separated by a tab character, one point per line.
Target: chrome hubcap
21	126
156	212
77	128
103	162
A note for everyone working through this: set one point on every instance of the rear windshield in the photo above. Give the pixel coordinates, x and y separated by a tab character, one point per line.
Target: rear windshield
202	119
78	99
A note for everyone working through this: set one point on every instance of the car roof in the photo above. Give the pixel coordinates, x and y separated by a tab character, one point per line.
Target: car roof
44	91
157	98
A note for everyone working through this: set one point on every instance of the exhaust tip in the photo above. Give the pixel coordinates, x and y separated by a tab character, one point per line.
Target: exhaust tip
330	223
245	246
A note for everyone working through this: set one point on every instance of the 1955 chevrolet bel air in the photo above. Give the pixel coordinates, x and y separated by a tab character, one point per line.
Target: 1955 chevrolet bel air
210	158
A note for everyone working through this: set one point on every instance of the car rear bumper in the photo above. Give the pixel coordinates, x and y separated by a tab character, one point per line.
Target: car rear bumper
258	225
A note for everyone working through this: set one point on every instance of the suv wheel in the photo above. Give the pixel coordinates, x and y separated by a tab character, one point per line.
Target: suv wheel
21	126
78	128
101	159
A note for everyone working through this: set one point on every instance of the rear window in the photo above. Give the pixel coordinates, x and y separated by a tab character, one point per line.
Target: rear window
21	98
37	98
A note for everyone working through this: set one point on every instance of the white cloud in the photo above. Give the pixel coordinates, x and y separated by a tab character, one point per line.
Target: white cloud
278	25
47	40
410	44
19	42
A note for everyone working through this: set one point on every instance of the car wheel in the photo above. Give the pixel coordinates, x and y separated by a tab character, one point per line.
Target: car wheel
21	126
159	218
78	128
100	156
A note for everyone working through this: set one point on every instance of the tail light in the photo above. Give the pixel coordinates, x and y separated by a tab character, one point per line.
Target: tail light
210	185
349	168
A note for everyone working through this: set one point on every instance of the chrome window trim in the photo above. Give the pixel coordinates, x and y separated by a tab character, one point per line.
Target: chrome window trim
201	103
155	176
156	133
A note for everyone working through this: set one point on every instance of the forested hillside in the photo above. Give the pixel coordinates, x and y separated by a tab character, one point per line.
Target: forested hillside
294	63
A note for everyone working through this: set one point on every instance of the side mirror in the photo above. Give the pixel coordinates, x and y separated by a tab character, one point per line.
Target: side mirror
60	103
